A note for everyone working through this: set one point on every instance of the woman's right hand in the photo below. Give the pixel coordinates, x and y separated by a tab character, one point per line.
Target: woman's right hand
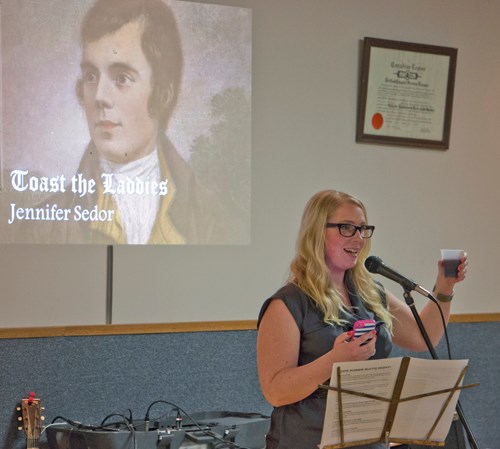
348	349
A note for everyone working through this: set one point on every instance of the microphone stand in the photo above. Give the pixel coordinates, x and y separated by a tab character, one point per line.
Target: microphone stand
411	305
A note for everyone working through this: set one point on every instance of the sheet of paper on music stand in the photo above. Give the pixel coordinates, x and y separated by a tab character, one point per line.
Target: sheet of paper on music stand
364	418
426	376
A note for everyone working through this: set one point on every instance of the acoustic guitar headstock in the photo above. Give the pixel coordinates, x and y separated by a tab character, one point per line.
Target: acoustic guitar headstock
30	420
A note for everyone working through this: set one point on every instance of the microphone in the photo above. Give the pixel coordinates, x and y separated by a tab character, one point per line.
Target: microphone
375	265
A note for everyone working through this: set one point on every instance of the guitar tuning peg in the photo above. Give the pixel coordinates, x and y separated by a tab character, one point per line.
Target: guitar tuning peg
42	418
19	418
20	428
18	408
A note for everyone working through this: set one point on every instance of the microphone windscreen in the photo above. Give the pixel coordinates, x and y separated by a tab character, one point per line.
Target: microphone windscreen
373	263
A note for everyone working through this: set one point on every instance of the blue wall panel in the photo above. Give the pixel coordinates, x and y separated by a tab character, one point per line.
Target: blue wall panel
87	378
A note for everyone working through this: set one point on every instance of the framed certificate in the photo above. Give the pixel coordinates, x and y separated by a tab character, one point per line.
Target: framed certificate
406	94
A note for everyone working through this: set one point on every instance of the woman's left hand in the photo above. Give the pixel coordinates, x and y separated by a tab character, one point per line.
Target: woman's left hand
445	284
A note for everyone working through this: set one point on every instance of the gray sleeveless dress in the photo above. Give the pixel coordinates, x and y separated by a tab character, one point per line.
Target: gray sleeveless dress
299	425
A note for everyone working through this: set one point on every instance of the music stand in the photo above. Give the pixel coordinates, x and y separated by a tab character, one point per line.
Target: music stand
394	401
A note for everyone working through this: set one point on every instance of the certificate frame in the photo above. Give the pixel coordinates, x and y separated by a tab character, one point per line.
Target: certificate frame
405	94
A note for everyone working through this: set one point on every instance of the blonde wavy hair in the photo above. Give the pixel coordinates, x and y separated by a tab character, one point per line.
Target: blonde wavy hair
309	271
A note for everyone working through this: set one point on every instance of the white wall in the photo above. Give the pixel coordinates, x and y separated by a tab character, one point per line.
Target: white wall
305	75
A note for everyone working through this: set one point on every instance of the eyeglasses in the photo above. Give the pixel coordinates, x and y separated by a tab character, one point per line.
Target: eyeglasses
348	229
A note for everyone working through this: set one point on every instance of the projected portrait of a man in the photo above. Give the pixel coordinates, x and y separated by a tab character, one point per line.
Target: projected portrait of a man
131	73
131	186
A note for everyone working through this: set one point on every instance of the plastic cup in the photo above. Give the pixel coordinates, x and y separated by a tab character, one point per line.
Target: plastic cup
451	259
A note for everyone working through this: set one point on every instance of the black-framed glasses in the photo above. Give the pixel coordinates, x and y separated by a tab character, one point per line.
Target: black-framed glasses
349	229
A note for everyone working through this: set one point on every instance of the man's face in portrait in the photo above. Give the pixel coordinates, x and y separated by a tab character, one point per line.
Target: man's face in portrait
115	89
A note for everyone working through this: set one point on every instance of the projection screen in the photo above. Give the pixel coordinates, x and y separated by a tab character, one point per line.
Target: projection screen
125	122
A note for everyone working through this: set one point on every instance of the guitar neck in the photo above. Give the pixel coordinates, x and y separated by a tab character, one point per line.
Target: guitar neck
32	443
